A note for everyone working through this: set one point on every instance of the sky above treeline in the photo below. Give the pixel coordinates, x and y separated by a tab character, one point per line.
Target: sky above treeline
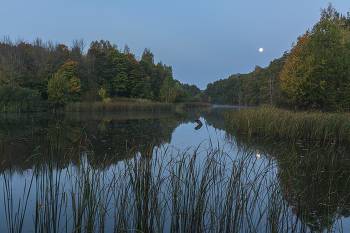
202	40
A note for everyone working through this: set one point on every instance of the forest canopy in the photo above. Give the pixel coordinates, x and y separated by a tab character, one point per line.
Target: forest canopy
314	74
60	74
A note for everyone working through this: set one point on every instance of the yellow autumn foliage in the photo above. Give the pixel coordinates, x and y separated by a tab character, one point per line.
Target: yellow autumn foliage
58	88
316	74
75	85
295	70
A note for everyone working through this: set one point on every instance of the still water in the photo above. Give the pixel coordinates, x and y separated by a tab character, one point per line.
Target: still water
283	186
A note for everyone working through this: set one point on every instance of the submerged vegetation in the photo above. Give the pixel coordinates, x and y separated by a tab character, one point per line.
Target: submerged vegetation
285	124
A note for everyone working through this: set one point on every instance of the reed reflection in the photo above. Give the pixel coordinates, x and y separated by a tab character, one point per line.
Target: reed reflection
313	177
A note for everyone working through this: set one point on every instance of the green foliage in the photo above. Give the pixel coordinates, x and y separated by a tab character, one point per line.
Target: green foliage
62	75
148	56
315	74
274	80
225	91
193	89
145	89
103	46
65	85
123	74
317	70
57	89
168	91
135	75
19	99
69	69
255	89
258	87
115	73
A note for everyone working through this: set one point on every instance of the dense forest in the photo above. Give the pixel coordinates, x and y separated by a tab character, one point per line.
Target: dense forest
30	72
314	74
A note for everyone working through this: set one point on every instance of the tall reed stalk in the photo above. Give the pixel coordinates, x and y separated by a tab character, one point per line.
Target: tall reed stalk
117	106
162	190
188	105
284	124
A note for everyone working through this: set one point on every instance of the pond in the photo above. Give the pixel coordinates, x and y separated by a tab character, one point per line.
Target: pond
170	171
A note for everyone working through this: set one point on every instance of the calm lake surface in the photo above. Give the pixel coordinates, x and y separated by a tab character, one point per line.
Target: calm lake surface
304	186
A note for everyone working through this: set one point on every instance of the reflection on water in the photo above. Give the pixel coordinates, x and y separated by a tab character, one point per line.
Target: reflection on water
113	135
310	180
313	178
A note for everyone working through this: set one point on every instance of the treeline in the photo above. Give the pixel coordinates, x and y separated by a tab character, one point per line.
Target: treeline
314	74
60	74
259	86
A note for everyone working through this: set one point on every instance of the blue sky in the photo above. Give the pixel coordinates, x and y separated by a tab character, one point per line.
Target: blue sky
202	40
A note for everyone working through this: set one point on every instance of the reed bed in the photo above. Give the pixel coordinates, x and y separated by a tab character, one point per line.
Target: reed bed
117	106
188	105
162	189
155	190
284	124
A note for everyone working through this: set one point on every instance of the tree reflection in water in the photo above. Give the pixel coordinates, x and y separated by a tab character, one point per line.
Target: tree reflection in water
314	177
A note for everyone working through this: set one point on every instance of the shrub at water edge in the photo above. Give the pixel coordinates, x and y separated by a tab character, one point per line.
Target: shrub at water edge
18	99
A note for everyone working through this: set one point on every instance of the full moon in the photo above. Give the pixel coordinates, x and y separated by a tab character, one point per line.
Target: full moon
261	49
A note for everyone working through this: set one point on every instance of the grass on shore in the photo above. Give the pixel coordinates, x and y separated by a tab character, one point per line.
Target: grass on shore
117	106
188	105
129	106
284	124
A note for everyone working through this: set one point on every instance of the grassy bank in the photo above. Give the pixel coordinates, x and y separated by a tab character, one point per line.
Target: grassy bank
128	106
267	121
193	105
117	106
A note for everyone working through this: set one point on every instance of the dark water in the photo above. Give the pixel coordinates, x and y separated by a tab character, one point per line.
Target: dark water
316	193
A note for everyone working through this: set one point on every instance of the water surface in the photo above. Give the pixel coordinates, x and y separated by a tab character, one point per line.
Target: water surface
314	196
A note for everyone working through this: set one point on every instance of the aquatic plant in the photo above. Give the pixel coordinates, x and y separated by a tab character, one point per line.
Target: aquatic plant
116	106
284	124
193	105
162	189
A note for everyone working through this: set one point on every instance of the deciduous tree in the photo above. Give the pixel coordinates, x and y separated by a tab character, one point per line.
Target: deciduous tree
317	71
